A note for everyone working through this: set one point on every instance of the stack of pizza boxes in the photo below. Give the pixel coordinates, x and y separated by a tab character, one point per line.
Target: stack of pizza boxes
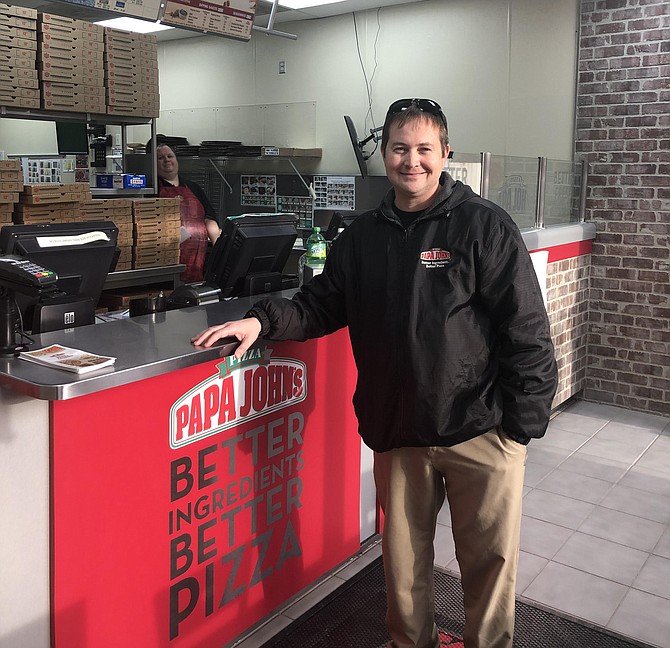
131	73
51	203
18	57
11	183
120	212
71	64
156	227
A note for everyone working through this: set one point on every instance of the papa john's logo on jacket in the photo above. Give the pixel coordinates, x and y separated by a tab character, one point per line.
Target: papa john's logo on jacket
435	258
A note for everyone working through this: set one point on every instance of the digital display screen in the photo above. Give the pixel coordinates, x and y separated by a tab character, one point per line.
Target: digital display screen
71	138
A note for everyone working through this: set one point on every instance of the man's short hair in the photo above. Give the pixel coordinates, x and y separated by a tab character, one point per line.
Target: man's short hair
410	114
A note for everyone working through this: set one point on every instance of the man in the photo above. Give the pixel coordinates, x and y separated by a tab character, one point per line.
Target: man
456	373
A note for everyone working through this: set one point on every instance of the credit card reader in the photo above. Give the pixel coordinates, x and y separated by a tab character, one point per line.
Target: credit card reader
23	276
17	273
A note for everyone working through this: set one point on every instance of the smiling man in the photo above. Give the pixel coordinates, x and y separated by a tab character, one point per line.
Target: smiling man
415	152
456	373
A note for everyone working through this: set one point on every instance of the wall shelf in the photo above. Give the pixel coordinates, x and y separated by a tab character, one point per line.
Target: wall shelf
13	112
97	192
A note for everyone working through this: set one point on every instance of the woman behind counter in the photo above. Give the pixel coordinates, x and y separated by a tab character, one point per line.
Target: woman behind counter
198	218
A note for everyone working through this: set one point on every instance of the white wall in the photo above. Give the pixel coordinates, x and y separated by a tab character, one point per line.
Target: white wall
543	78
503	70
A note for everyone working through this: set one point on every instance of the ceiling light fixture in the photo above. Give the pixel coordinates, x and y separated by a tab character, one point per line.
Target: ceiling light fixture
304	4
133	25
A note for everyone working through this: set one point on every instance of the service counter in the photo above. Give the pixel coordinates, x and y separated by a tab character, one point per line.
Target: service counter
180	497
176	498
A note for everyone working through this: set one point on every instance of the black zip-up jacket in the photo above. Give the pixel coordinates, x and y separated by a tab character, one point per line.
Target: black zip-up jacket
446	319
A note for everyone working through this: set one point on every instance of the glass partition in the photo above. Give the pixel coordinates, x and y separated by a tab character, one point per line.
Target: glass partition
562	193
466	167
536	192
513	186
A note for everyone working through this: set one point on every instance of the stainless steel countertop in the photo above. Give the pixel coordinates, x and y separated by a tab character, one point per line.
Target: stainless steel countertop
144	347
152	345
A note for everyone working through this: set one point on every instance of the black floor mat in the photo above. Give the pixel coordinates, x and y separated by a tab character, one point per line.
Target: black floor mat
353	617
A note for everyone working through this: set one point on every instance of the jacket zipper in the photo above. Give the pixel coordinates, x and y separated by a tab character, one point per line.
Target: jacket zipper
403	329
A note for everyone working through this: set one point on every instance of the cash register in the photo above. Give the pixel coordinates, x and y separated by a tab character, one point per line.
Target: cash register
248	258
78	255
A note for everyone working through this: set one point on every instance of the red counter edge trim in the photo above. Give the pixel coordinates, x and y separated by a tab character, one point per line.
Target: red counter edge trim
567	250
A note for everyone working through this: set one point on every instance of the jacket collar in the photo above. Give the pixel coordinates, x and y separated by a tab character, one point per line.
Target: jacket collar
451	193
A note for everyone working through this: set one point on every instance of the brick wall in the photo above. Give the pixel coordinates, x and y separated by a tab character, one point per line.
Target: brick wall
623	130
567	307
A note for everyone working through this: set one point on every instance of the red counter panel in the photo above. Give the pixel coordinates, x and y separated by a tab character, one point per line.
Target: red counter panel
187	507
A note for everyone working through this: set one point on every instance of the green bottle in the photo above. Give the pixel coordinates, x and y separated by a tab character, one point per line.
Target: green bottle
311	263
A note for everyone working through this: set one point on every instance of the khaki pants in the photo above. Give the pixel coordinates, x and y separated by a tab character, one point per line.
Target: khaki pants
483	481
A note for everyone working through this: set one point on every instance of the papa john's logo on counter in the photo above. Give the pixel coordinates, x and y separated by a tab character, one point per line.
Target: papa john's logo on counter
241	390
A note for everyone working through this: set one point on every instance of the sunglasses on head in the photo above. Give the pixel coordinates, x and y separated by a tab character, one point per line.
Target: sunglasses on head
424	105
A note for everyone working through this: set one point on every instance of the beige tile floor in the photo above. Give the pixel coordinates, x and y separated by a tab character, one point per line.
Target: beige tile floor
595	534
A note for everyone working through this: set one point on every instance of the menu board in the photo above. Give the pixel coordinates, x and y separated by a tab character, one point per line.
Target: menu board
231	18
335	192
148	9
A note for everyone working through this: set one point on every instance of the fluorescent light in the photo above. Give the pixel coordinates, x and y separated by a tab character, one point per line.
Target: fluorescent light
133	25
303	4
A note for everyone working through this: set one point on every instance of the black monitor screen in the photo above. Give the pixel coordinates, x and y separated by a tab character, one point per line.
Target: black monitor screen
358	152
81	254
339	220
251	253
71	138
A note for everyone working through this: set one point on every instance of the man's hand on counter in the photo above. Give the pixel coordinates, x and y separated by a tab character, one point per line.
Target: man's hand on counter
245	330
